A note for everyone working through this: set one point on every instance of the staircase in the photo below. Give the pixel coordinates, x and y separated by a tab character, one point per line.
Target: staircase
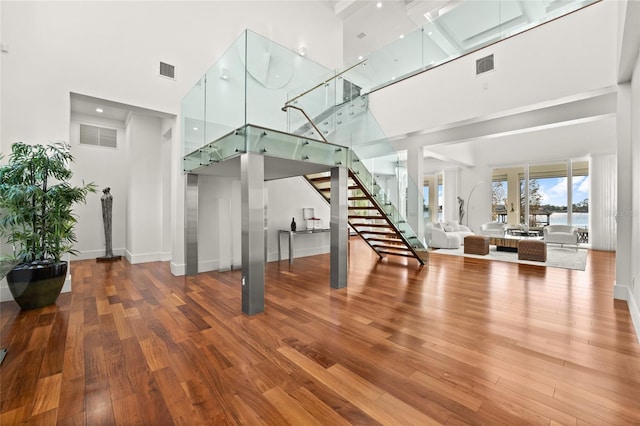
369	219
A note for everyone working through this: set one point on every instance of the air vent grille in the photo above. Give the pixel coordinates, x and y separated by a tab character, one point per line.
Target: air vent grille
167	70
484	64
98	136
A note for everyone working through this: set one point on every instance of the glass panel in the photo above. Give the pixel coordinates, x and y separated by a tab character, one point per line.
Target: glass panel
273	73
277	144
580	195
192	108
225	92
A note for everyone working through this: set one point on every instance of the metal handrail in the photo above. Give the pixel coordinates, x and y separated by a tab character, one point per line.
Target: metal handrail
324	82
284	108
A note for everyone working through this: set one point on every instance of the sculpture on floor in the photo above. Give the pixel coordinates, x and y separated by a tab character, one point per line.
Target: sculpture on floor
107	208
460	209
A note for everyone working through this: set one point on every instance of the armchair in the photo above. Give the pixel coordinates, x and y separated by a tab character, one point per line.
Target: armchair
561	234
493	229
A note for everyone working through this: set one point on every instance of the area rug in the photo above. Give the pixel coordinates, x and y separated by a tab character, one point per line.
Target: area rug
557	257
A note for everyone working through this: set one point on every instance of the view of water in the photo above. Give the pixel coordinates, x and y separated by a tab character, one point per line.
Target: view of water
579	219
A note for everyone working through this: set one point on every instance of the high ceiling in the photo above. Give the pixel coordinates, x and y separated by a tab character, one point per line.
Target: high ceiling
451	26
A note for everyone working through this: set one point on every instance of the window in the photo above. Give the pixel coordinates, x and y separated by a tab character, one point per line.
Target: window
544	194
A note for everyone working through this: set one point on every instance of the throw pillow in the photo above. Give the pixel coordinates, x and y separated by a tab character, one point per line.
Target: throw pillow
454	224
448	228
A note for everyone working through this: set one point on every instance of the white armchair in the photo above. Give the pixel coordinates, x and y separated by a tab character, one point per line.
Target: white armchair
561	234
493	229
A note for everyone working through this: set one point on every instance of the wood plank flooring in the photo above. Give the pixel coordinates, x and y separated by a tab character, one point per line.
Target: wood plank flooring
461	341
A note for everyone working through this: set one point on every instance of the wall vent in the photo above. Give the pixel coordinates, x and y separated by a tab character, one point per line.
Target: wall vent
484	64
98	136
167	70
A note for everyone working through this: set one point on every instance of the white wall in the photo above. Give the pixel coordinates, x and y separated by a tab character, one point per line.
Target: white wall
112	171
634	295
144	241
219	234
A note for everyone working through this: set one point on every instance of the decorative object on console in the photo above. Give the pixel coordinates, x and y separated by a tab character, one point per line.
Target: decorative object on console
293	224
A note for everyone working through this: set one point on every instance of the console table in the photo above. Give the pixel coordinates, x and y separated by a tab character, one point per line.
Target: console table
291	235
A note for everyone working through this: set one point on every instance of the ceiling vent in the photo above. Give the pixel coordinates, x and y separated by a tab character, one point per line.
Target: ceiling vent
484	64
361	36
167	70
98	136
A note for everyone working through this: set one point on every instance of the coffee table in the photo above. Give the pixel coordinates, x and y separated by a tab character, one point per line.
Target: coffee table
508	243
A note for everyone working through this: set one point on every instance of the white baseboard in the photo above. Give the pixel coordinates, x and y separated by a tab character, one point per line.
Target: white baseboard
622	292
146	257
177	269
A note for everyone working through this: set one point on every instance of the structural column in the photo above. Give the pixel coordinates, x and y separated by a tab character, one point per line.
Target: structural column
253	253
338	226
415	208
191	225
451	191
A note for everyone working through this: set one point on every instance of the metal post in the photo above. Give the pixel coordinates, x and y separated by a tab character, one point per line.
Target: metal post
191	225
338	226
253	254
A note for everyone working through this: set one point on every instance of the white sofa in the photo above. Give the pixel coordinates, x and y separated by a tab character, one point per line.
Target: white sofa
446	234
561	234
493	229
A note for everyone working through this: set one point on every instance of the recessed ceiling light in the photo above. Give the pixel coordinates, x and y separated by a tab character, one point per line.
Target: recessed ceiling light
401	35
379	4
359	58
430	32
195	128
99	110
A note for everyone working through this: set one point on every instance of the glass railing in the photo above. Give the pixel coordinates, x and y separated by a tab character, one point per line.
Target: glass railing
268	142
249	84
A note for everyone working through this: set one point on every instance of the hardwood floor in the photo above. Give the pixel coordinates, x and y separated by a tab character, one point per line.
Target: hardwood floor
462	341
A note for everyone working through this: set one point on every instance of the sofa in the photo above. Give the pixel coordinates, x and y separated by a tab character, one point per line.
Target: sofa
561	234
493	229
447	235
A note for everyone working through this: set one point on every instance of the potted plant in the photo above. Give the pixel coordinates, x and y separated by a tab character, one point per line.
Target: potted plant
36	217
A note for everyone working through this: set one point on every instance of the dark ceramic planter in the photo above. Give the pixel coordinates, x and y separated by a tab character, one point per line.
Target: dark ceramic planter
35	286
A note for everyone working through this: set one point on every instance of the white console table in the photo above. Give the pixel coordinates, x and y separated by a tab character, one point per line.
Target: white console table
291	235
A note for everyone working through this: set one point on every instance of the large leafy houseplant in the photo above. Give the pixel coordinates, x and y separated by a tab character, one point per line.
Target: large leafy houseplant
37	219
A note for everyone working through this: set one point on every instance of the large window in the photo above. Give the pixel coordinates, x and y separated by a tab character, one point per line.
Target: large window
542	194
432	191
580	194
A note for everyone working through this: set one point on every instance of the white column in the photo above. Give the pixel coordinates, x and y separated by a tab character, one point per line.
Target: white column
603	202
415	169
451	190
